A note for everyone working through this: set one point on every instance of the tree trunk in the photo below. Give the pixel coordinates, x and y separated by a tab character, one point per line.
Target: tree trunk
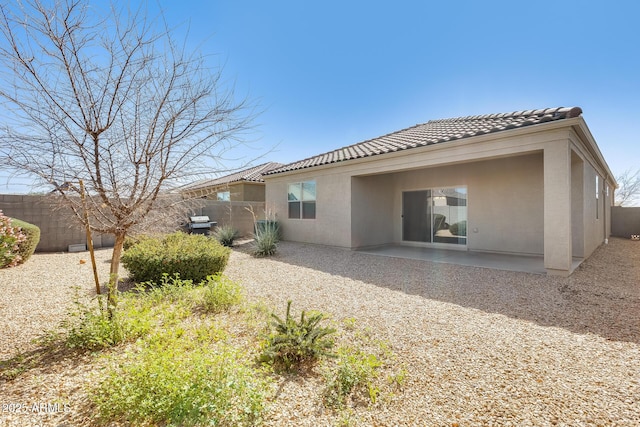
112	300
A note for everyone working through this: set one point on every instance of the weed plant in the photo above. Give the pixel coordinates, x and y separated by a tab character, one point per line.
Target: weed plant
220	293
93	328
355	373
181	378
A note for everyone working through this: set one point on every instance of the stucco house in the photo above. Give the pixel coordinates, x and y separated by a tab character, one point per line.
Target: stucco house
528	182
244	186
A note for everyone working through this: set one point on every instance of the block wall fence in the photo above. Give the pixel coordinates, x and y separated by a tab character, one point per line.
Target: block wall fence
59	228
625	221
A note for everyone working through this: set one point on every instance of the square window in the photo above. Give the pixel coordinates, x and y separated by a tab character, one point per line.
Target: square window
301	198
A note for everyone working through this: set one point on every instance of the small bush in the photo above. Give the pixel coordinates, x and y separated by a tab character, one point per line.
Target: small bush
266	240
226	235
177	379
131	241
294	343
220	293
92	328
11	237
28	246
355	372
192	256
459	228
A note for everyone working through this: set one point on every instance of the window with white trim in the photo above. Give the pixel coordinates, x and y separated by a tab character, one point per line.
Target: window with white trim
301	199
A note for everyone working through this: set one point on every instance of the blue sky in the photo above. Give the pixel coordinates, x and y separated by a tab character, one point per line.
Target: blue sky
328	74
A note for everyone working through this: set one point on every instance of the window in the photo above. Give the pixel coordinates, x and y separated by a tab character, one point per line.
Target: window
224	196
302	200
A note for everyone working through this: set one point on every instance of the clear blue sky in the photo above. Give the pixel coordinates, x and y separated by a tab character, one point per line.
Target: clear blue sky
334	73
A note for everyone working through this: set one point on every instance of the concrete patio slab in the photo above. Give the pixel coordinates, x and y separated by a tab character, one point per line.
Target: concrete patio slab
522	263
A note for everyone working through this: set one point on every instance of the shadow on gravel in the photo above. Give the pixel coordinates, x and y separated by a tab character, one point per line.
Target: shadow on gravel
47	355
601	297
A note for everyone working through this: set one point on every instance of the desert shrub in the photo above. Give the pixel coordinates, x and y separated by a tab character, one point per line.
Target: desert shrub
192	256
27	247
459	228
220	293
266	239
179	379
356	371
11	238
93	328
226	235
267	224
293	343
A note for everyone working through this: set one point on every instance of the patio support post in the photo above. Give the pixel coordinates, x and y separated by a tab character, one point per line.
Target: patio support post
557	208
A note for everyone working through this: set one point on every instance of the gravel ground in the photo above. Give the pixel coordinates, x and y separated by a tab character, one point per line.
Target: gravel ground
483	347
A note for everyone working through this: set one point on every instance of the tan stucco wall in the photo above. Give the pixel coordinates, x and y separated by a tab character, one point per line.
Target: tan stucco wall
253	192
373	212
505	201
527	191
332	225
504	196
238	192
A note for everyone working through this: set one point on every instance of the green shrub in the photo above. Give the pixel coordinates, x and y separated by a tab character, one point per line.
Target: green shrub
90	328
355	372
178	379
220	293
28	246
459	228
226	235
266	240
131	241
294	343
192	256
10	239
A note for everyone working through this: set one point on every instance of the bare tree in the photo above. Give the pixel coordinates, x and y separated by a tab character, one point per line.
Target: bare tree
115	102
628	191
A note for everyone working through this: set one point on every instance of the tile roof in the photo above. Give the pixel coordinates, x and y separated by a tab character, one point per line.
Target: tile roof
435	132
253	174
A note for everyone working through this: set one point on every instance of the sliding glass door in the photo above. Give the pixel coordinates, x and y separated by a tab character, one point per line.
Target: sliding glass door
437	215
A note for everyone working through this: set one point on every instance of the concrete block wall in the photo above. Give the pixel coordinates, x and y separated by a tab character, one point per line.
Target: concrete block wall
236	214
625	221
58	227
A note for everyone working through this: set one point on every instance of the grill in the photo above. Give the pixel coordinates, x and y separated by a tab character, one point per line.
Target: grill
200	225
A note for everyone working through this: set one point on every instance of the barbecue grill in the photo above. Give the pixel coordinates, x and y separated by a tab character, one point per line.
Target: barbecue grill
200	224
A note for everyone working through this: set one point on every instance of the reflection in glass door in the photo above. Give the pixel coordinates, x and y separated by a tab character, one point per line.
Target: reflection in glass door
435	215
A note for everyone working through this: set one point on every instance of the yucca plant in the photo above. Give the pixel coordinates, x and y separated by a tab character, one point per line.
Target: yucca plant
266	241
293	343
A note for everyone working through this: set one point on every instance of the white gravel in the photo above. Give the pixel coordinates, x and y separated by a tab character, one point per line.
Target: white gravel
483	347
